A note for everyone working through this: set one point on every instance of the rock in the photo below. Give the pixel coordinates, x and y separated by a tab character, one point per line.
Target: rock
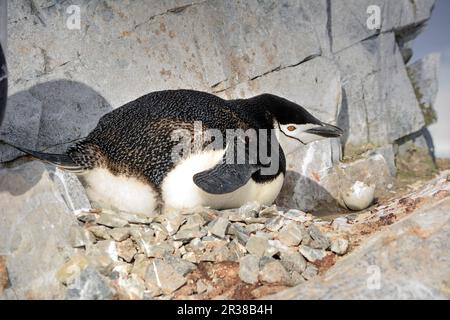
296	215
158	250
89	285
181	266
425	80
186	235
34	231
310	272
194	221
269	212
257	245
274	272
218	227
236	250
293	262
339	246
164	276
341	224
201	287
239	232
274	224
398	262
250	209
136	218
311	254
111	220
320	241
130	288
71	269
249	268
126	250
103	264
291	234
119	234
143	238
71	189
103	248
172	221
101	232
254	227
80	237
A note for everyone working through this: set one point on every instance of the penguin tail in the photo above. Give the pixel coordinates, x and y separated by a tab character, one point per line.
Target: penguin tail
62	161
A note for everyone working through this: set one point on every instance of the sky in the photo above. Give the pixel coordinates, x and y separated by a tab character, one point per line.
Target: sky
436	38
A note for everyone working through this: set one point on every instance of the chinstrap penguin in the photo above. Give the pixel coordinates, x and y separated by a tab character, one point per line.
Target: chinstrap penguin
126	162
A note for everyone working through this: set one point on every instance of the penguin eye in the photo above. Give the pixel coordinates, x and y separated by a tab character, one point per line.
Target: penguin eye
291	128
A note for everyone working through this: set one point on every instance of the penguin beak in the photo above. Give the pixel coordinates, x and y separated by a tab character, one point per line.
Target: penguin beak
326	130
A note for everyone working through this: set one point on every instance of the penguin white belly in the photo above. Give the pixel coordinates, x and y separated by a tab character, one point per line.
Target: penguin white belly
179	190
119	192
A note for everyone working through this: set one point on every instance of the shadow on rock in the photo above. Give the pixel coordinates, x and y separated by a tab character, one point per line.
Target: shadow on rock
306	194
47	117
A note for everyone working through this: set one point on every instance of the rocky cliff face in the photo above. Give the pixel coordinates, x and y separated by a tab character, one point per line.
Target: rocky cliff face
318	53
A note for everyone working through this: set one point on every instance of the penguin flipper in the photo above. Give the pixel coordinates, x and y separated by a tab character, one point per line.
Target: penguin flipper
224	178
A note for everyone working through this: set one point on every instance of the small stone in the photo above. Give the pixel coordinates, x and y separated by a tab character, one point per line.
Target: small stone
158	250
143	238
239	232
181	266
252	228
4	277
130	288
274	224
86	217
89	285
71	269
190	256
448	177
119	234
341	224
250	209
249	269
189	234
164	276
126	250
136	218
103	248
279	246
320	240
103	264
222	254
237	250
295	278
310	272
218	227
111	220
193	221
297	215
311	254
196	245
140	266
274	272
80	237
293	262
201	286
172	221
257	245
160	232
269	212
291	234
339	246
101	232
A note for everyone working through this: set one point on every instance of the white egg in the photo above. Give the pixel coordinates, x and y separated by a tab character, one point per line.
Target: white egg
359	196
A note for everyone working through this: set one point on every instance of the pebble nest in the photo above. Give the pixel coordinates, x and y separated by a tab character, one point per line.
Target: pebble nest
201	253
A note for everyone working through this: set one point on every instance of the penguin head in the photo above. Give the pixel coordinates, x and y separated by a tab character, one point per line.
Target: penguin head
295	125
